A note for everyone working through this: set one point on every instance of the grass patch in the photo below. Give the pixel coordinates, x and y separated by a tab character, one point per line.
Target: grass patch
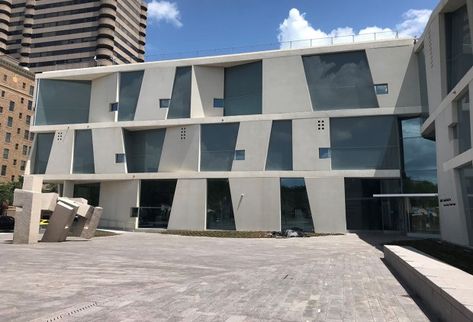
103	233
457	256
229	233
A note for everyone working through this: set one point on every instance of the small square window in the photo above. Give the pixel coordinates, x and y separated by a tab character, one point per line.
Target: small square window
381	89
219	102
134	212
22	100
120	158
11	107
114	107
325	153
164	103
240	155
31	89
14	162
4	170
3	93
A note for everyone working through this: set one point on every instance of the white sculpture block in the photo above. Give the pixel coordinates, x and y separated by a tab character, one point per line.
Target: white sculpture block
27	216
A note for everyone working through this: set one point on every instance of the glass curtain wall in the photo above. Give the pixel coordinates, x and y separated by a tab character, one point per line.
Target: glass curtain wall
280	146
130	86
44	143
295	208
218	146
143	150
89	191
466	179
219	205
156	197
83	152
463	125
180	106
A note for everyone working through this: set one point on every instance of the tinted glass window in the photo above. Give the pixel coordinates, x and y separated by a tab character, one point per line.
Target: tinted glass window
143	150
83	152
219	205
44	142
156	198
295	208
218	146
340	81
63	102
280	146
180	105
364	143
466	177
463	125
243	89
130	86
89	191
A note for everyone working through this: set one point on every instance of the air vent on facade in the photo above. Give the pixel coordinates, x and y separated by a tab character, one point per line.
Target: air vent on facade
320	125
59	136
183	133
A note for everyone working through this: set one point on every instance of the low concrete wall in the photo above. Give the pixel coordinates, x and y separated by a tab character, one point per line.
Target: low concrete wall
446	290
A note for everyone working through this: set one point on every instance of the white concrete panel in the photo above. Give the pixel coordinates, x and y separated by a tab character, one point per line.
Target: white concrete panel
285	86
396	67
181	149
107	142
308	135
117	198
256	203
189	205
60	158
253	137
207	84
104	91
157	84
327	204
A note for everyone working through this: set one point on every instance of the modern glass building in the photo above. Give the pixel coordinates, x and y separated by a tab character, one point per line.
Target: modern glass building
323	139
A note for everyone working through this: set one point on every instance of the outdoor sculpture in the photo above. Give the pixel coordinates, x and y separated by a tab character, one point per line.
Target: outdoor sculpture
70	216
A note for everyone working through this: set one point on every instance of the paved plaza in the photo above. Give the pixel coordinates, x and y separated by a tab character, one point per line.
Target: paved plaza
154	277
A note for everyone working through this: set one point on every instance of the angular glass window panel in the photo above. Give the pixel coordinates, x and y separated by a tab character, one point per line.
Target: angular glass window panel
364	143
130	86
219	205
423	215
63	102
340	81
423	83
113	107
324	153
164	103
44	142
120	158
143	150
280	146
463	125
83	152
218	146
219	102
240	155
243	89
466	179
180	105
295	208
459	49
381	89
156	197
419	159
89	191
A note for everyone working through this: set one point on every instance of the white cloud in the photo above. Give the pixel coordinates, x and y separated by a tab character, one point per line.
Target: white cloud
164	11
297	30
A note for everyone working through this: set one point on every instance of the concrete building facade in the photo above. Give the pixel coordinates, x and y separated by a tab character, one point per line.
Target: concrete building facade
325	139
61	34
16	115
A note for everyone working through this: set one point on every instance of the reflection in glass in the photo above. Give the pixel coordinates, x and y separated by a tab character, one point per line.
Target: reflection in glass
180	104
83	152
243	89
280	146
130	86
466	179
63	102
89	191
219	205
459	51
143	150
340	81
44	142
463	125
218	146
295	208
419	159
364	143
423	214
156	198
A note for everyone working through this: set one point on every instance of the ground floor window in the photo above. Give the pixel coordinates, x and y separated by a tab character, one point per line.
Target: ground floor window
89	191
156	198
423	215
219	205
295	208
466	178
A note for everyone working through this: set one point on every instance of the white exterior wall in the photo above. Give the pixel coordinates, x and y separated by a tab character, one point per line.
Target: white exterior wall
189	205
207	84
106	143
104	92
253	137
63	145
117	198
308	135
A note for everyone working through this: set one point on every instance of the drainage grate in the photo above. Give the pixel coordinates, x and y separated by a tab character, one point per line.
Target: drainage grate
68	313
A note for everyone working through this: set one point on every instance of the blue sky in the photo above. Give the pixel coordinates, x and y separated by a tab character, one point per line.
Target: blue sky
185	26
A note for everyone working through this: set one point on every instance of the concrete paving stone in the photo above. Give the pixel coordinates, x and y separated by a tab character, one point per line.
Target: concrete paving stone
154	277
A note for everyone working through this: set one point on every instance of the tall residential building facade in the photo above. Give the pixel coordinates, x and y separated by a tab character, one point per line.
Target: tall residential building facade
325	139
63	34
16	114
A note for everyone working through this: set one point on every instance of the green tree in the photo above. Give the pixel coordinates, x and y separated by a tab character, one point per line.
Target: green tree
7	189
